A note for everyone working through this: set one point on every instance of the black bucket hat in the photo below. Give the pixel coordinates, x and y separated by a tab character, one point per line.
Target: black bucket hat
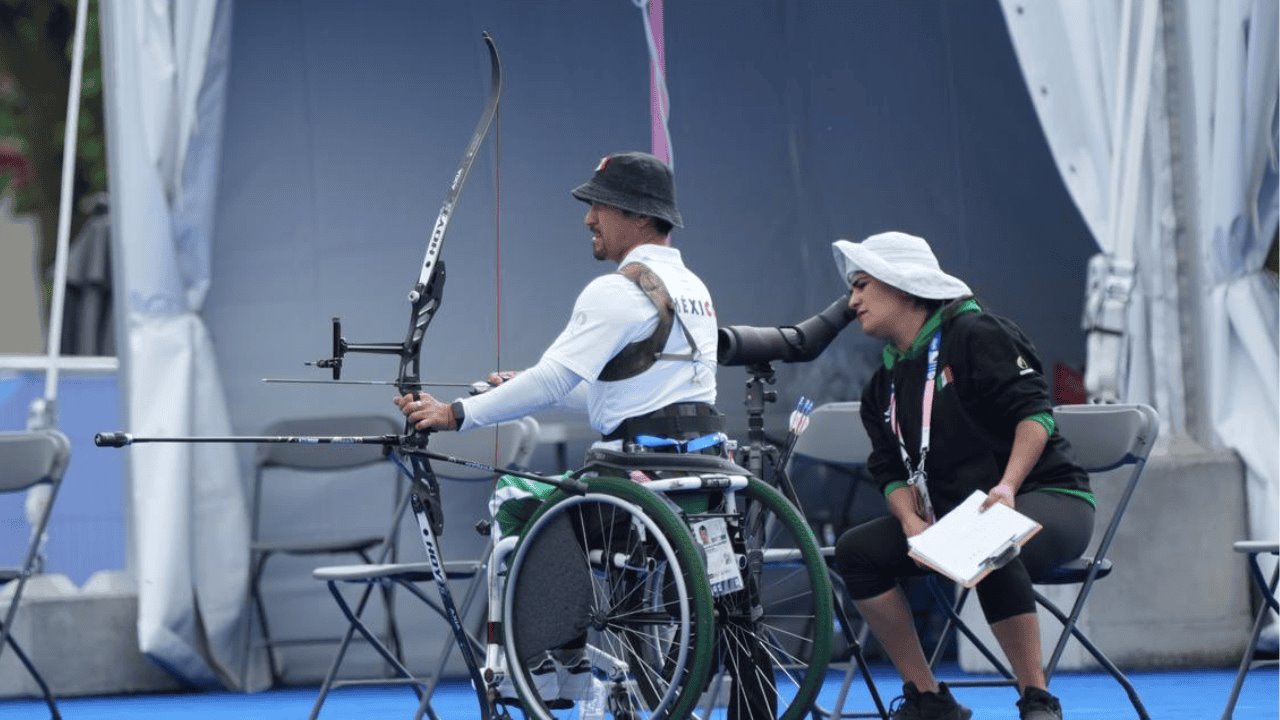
633	181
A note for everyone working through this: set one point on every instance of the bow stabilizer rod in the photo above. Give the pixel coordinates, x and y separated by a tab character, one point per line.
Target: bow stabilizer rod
409	445
121	439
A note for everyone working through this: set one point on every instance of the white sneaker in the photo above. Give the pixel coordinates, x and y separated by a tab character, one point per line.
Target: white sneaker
574	679
545	682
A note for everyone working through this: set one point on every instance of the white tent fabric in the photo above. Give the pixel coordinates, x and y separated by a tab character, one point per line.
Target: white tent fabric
1106	133
165	63
1076	58
1235	58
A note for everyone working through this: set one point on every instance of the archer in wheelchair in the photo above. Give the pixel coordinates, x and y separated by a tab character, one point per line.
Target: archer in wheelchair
617	357
607	600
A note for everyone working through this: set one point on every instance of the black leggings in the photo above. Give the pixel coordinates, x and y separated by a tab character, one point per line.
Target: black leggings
873	555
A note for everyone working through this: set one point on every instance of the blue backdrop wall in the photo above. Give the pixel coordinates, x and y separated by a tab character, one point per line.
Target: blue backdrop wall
793	124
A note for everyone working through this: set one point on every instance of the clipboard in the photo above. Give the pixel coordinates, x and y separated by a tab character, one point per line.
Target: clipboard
967	544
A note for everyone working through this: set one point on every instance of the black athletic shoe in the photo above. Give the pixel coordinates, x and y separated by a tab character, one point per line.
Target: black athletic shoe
916	705
1038	704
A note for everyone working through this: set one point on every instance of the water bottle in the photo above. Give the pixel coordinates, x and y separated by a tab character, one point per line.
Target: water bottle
594	705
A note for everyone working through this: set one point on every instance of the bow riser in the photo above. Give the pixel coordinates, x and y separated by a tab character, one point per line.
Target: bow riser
425	301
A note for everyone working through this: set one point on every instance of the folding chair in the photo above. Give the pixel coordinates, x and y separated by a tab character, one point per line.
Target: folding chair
1103	438
28	459
836	438
1267	605
515	442
326	468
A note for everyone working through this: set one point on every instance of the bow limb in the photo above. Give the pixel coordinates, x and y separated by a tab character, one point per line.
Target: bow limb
428	292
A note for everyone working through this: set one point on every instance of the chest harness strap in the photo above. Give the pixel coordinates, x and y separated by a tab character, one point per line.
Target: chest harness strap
640	355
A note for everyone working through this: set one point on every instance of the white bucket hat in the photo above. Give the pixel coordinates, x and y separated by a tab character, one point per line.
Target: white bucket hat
901	260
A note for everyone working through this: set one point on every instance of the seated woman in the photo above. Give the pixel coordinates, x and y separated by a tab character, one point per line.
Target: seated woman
959	404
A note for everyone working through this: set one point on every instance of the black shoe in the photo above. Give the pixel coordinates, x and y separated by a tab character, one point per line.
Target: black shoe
1038	704
916	705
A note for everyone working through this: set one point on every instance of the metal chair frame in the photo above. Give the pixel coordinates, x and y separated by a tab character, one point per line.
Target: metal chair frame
517	440
1268	604
407	576
1104	437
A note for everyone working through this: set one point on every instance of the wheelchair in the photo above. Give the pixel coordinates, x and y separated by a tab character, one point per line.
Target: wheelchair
610	604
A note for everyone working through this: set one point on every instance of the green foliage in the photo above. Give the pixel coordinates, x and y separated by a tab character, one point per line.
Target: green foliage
36	43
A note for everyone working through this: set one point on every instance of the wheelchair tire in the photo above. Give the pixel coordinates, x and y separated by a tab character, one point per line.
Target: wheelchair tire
608	592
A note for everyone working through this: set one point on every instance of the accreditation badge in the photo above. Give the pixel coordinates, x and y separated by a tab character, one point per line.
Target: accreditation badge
722	564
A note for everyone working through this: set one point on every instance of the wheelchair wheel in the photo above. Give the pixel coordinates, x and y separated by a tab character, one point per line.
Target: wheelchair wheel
773	638
607	605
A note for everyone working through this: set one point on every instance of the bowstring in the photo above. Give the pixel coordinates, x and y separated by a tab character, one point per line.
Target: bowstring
497	265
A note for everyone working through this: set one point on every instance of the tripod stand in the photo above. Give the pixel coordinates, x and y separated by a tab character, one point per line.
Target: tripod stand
764	461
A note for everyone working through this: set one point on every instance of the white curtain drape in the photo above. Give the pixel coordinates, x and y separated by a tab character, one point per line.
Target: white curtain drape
1234	52
1086	67
165	67
1096	75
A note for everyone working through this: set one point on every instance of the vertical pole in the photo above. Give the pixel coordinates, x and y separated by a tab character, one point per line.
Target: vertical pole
44	411
1191	284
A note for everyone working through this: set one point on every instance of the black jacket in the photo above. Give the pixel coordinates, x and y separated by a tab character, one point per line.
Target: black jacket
988	380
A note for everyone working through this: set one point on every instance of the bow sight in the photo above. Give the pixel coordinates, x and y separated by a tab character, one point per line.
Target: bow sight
424	299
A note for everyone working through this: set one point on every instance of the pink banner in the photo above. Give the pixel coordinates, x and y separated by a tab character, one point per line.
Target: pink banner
657	71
